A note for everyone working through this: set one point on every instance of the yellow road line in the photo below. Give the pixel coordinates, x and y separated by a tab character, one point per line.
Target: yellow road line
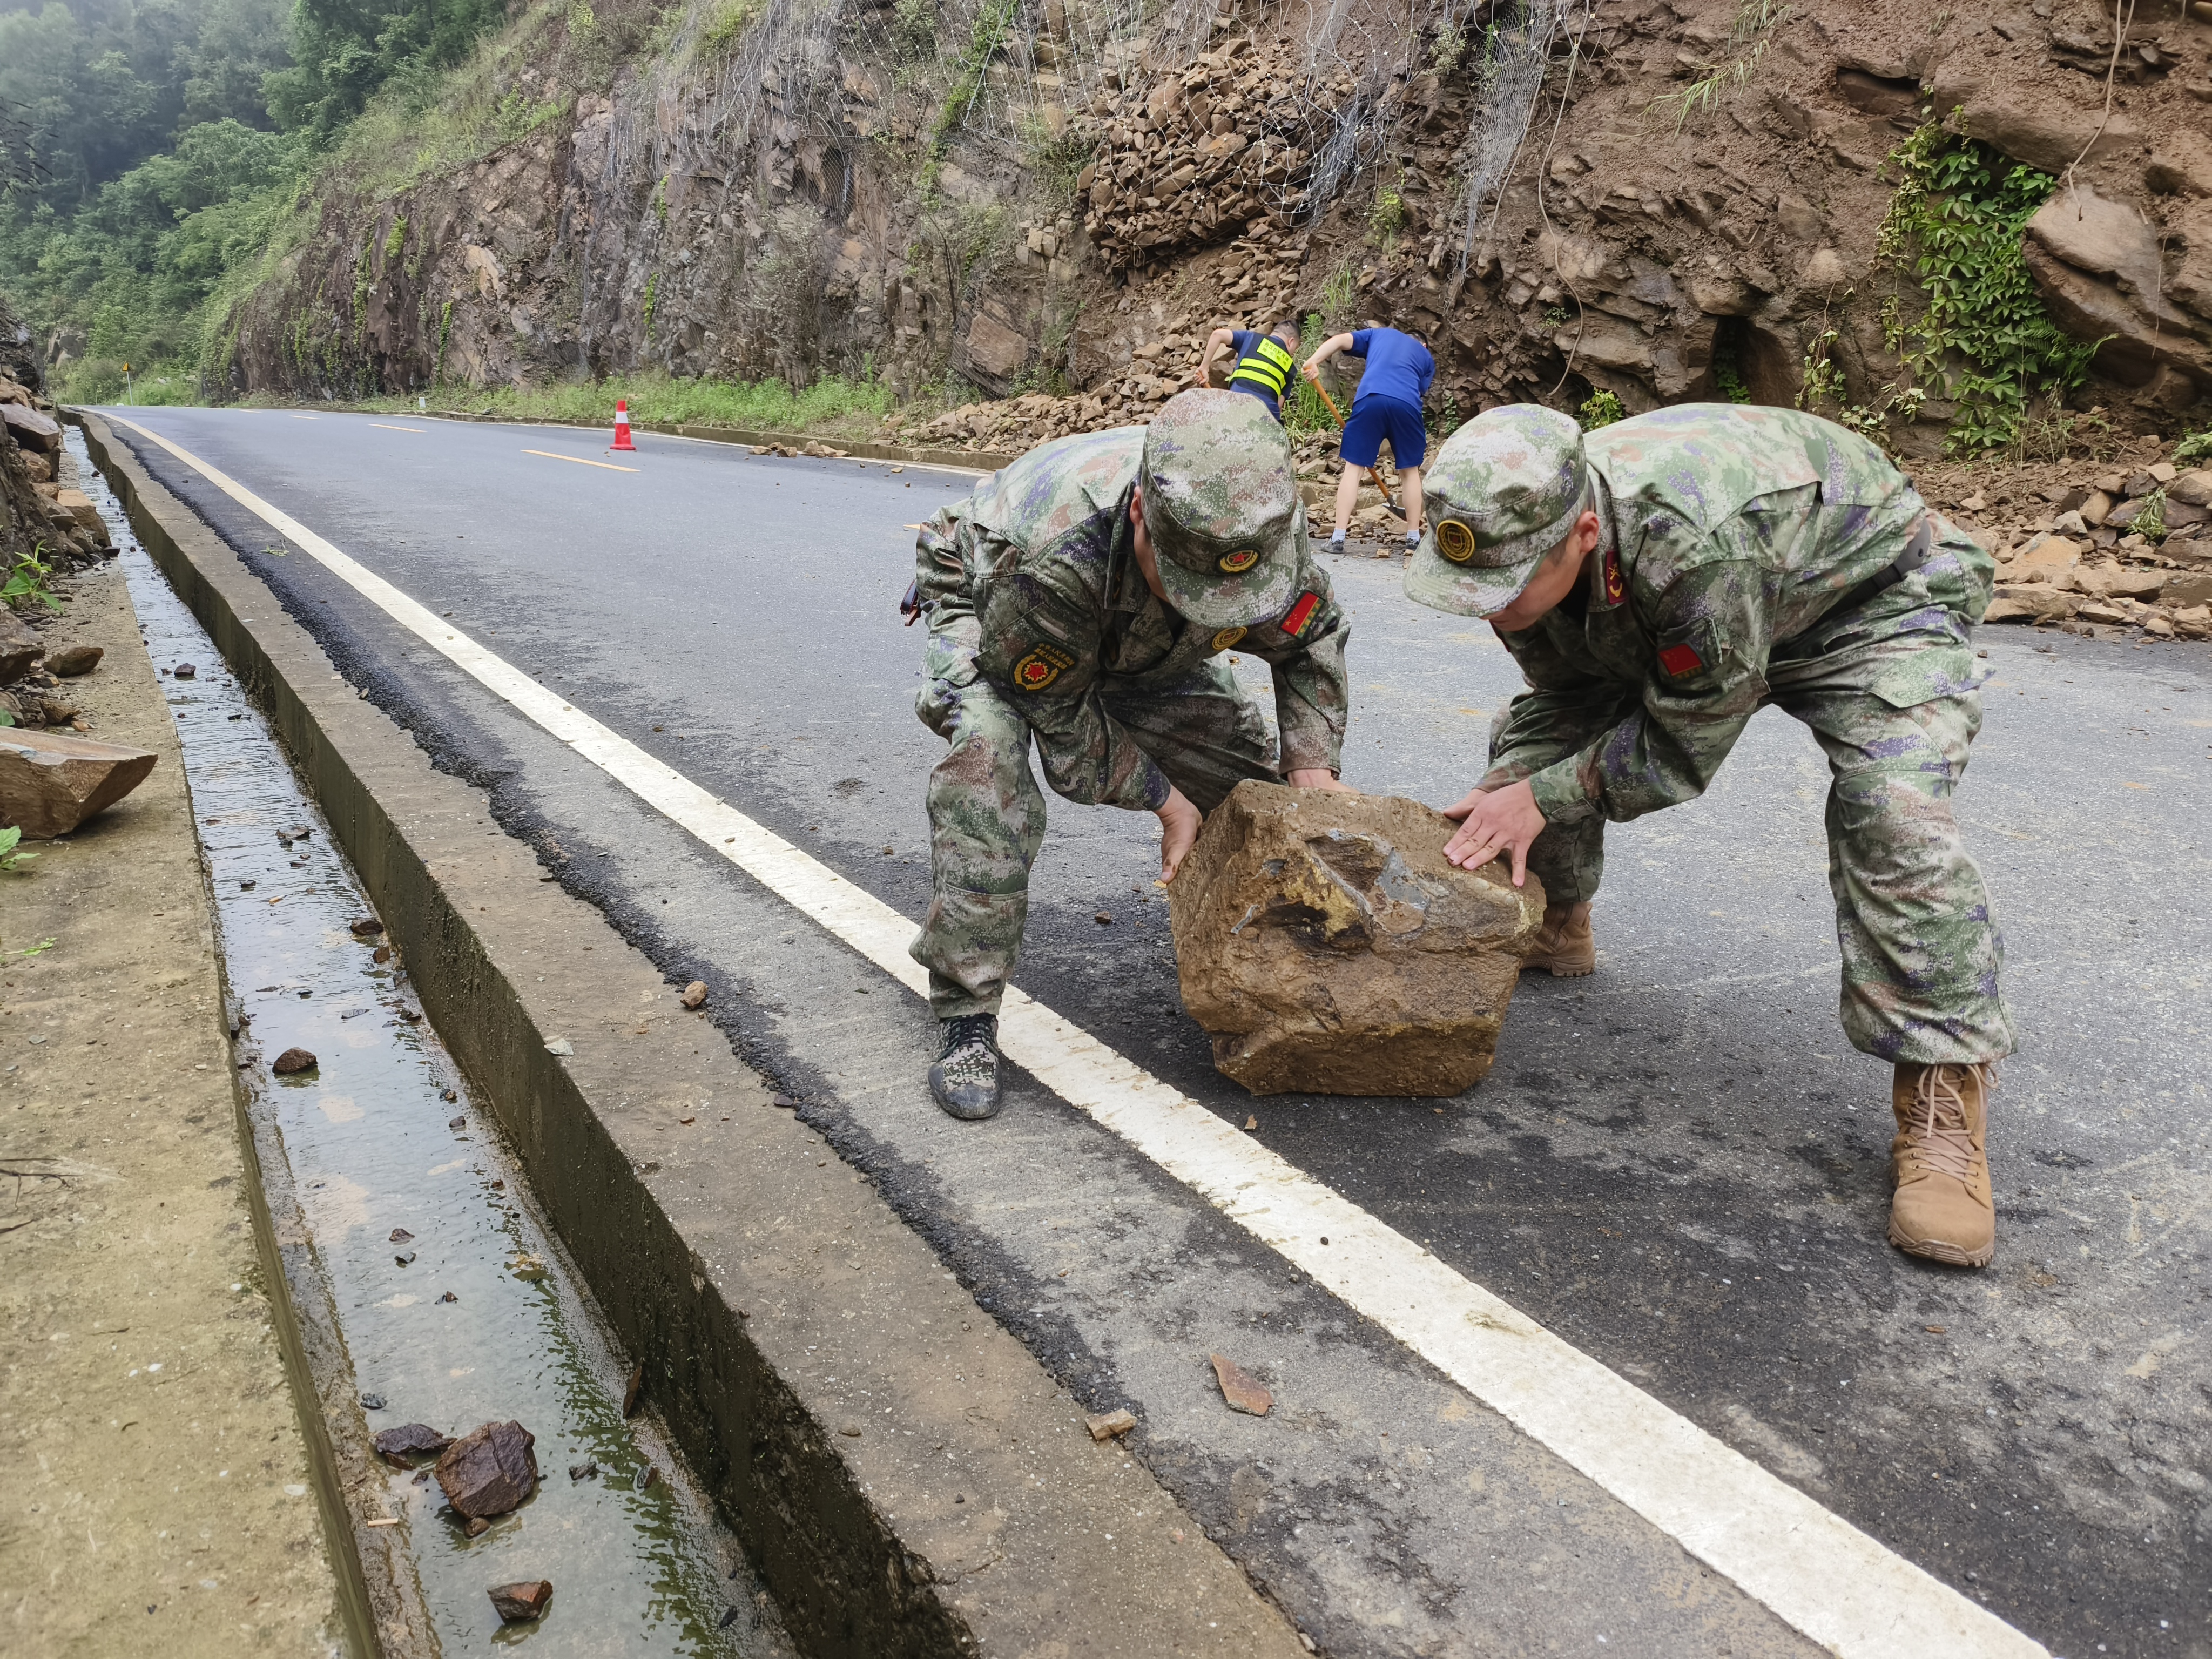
579	460
306	417
416	430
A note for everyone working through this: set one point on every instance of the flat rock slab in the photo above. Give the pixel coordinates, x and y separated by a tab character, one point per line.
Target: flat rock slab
32	428
489	1470
411	1440
1242	1391
49	784
1329	949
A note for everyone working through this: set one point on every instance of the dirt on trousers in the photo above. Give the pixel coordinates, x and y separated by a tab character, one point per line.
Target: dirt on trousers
158	1495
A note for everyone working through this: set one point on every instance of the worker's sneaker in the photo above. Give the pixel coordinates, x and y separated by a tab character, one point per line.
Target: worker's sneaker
1566	947
1943	1209
965	1080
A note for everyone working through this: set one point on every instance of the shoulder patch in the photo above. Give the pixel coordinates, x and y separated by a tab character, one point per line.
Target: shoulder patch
1680	660
1227	637
1299	616
1041	667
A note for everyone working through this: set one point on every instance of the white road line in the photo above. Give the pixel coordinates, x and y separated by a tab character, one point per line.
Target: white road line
1816	1571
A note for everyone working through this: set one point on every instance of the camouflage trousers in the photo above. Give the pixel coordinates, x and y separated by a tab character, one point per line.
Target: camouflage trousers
987	813
1920	951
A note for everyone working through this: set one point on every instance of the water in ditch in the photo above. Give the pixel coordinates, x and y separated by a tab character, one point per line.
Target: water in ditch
454	1303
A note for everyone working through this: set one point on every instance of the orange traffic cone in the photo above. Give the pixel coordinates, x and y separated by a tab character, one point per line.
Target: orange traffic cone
622	425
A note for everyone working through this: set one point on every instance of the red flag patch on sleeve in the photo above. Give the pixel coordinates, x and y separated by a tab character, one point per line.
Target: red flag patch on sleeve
1300	616
1680	660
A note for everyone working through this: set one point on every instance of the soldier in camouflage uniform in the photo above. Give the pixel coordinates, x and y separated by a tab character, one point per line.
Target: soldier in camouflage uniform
1083	597
1660	581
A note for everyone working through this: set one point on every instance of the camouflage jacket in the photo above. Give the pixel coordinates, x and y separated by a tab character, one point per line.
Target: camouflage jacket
1032	583
1729	533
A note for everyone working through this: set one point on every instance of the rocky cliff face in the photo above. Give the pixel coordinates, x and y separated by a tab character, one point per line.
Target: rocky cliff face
1685	204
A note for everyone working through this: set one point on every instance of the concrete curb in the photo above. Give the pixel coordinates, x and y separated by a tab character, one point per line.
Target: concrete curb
906	1477
969	460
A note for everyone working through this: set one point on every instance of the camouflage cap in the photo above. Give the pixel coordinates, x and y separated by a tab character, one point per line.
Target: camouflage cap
1221	509
1504	490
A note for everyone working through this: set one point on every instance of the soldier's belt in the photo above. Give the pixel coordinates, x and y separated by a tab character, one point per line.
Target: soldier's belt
1917	551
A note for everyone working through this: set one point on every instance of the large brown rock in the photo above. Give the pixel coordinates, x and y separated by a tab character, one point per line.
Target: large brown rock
2096	262
1329	949
489	1470
49	784
32	428
19	647
2027	120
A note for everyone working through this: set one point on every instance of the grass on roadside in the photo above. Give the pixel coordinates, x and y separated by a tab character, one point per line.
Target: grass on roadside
831	405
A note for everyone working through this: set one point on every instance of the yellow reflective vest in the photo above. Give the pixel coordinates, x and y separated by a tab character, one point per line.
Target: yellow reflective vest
1267	368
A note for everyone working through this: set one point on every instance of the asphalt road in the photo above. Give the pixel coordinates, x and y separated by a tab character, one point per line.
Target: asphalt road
1677	1165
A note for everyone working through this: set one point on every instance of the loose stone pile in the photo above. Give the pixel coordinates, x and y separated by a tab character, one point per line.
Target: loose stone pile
2129	548
1215	145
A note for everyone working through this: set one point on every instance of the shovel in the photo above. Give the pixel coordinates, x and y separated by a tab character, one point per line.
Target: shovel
1335	415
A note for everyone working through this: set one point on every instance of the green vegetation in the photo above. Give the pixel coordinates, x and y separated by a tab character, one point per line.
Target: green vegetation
1451	47
1982	340
2151	522
1387	218
995	21
1747	40
31	580
1600	409
12	857
2196	446
1445	419
725	24
177	143
1728	364
832	403
1304	411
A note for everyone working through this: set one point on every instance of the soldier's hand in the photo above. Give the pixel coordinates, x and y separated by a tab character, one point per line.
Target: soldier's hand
1492	821
1179	822
1316	777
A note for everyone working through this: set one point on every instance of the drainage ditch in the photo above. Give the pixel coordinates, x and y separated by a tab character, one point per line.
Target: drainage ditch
428	1287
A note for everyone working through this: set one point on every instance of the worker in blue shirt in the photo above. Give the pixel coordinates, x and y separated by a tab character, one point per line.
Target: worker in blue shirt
1265	362
1388	405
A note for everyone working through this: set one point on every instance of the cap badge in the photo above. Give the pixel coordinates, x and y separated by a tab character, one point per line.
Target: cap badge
1454	541
1241	560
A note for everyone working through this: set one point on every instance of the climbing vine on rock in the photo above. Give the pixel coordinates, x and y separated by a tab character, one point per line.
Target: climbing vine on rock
1982	341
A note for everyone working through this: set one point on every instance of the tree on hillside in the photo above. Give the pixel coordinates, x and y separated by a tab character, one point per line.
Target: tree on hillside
344	50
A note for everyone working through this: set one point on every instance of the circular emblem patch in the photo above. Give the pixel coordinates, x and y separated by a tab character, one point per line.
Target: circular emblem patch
1240	561
1034	674
1454	541
1227	637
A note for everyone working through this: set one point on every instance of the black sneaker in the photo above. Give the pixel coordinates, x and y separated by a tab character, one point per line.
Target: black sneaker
965	1080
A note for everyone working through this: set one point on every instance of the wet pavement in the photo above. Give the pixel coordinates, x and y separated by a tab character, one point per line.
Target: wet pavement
454	1303
1677	1165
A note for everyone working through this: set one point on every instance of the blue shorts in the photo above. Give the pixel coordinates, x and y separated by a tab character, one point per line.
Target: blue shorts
1374	419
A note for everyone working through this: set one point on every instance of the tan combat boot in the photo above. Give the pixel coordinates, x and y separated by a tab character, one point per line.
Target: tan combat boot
1943	1209
1566	947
